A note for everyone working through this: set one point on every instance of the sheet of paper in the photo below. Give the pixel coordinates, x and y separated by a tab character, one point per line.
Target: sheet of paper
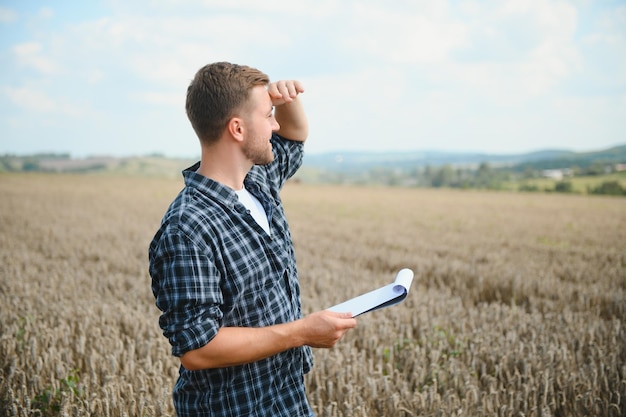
386	296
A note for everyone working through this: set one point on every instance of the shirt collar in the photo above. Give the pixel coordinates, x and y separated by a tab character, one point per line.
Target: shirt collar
211	188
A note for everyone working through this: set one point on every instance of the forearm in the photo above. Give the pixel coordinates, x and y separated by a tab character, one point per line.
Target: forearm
234	346
292	119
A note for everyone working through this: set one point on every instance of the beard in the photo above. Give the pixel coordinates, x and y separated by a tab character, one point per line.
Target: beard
259	151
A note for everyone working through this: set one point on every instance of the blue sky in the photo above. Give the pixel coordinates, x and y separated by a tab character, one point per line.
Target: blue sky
497	76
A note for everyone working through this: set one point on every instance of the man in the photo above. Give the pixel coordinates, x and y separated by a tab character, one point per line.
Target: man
222	263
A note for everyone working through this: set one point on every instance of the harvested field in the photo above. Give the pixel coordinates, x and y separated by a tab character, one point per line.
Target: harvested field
518	307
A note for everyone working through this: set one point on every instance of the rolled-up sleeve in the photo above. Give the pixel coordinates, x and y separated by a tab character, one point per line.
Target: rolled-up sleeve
288	156
186	286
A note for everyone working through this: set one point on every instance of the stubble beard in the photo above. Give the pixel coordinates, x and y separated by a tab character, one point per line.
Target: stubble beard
258	154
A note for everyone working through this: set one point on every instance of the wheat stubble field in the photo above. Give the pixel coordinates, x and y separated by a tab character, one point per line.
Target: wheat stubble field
518	305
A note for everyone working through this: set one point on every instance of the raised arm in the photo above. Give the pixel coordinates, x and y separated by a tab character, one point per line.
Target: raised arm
289	111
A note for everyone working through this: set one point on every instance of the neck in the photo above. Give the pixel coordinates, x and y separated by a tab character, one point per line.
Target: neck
225	165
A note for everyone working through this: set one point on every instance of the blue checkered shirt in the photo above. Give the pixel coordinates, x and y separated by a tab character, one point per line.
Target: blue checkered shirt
212	265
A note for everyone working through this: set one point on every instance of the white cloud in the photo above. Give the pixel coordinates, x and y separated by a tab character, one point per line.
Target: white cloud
7	15
45	13
32	99
379	75
30	54
175	100
519	51
402	37
166	50
95	76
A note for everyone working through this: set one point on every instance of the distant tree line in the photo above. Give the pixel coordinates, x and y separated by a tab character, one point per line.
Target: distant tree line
608	188
483	177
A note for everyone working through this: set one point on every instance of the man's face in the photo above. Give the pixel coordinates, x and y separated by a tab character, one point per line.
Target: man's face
259	123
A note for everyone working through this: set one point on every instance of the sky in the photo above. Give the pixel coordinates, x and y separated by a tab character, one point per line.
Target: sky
497	76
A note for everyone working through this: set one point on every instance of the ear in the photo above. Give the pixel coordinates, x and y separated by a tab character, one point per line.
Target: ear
236	128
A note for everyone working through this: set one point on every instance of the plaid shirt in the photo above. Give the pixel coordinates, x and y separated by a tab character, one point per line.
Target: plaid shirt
212	265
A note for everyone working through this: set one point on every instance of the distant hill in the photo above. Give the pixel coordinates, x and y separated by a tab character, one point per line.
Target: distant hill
358	161
614	155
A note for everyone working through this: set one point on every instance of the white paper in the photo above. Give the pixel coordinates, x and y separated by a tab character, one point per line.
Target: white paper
386	296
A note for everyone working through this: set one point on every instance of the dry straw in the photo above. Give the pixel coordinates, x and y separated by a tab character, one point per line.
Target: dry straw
518	307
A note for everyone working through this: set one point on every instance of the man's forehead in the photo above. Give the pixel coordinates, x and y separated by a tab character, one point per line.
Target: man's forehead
261	95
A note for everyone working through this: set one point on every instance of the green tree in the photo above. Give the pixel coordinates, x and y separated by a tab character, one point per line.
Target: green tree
609	188
444	176
564	187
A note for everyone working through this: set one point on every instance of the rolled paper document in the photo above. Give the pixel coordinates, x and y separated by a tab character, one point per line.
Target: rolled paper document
386	296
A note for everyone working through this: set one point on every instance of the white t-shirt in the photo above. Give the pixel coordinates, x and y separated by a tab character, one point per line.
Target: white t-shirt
256	208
